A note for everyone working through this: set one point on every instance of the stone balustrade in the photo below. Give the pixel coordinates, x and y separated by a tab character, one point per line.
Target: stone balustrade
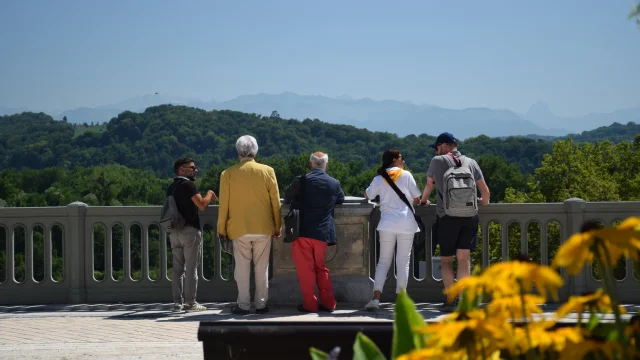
93	254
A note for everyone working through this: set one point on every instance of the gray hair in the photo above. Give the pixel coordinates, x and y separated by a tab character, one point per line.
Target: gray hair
247	146
319	159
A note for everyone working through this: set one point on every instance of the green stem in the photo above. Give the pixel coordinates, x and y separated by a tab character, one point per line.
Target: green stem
484	356
580	318
526	321
609	287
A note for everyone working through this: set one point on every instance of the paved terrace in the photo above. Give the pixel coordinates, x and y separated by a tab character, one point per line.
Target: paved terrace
151	331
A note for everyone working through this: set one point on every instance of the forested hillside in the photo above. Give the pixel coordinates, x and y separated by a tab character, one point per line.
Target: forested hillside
153	139
615	133
128	161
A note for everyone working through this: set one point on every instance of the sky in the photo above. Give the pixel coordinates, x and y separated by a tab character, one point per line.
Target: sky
579	56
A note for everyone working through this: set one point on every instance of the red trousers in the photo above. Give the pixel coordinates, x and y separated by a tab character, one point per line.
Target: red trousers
308	255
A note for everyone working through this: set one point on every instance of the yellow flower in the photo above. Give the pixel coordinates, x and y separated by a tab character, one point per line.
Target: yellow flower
452	331
543	339
633	333
575	252
579	350
424	354
598	301
512	305
526	274
630	227
477	286
562	336
623	240
632	222
434	354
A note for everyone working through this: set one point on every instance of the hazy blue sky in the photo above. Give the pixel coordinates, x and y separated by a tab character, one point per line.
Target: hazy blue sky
580	56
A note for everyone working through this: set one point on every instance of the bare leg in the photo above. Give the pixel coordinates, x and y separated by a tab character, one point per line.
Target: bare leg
447	271
464	263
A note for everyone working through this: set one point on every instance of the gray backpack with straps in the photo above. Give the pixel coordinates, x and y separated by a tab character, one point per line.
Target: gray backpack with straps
459	188
170	217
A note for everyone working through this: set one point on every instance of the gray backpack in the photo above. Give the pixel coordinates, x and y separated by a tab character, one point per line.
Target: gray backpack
459	188
170	217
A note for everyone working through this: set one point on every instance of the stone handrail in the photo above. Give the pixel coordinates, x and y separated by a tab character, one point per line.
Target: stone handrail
351	262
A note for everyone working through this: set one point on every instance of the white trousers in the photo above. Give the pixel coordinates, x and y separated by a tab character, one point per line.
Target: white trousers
388	241
248	248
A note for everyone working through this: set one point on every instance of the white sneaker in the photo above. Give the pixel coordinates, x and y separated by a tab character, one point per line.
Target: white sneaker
177	307
194	307
372	305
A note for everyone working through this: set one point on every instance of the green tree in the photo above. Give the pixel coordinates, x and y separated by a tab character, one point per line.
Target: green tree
635	13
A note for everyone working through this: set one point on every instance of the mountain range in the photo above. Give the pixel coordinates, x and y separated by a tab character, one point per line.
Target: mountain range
392	116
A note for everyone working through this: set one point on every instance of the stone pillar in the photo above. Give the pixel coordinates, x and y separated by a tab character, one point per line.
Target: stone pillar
75	253
348	261
575	218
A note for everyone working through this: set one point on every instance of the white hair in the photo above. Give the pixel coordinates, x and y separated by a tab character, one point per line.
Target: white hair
247	146
319	161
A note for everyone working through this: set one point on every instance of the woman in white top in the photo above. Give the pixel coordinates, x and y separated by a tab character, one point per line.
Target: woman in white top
397	224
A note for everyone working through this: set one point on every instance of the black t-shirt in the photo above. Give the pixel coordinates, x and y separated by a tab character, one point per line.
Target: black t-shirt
184	191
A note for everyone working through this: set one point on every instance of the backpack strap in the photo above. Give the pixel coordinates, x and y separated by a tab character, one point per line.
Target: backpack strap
450	157
398	192
466	162
296	203
174	186
303	185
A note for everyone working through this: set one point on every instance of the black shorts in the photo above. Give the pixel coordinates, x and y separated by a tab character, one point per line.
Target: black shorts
453	233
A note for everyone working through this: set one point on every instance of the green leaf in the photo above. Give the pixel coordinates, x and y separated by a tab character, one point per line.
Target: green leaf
593	321
407	318
465	304
318	354
607	331
365	349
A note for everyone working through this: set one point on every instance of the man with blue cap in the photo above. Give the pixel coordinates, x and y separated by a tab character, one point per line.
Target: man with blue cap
457	179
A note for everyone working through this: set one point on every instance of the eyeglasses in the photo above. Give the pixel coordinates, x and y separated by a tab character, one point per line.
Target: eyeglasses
192	167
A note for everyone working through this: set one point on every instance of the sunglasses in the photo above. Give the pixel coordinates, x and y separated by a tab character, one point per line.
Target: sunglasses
193	167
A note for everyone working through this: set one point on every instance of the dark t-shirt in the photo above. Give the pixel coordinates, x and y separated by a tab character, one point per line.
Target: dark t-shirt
184	191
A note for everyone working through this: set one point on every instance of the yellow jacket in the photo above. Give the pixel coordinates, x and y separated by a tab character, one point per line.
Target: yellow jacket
249	200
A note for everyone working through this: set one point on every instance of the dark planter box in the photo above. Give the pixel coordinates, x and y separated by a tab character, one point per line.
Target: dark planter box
255	340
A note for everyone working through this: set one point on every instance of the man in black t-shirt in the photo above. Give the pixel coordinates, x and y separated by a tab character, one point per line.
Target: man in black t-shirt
187	242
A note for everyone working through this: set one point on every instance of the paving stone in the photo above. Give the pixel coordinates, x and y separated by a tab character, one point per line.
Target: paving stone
153	331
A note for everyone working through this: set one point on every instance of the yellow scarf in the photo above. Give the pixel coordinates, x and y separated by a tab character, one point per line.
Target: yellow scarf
394	175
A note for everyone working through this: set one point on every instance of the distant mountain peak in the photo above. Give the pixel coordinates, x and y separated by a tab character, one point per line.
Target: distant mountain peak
540	109
343	97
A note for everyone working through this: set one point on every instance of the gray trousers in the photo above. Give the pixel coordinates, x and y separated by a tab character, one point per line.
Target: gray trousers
245	249
186	247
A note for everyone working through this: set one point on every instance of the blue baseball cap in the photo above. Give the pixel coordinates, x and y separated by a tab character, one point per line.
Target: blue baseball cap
445	138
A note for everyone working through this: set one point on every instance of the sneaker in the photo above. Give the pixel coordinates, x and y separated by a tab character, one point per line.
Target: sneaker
263	310
194	307
177	307
372	305
239	311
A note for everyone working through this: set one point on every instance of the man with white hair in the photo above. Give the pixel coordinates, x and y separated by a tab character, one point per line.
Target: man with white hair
249	214
316	195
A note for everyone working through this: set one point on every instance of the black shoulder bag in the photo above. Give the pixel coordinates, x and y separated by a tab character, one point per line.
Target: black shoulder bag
292	219
419	238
